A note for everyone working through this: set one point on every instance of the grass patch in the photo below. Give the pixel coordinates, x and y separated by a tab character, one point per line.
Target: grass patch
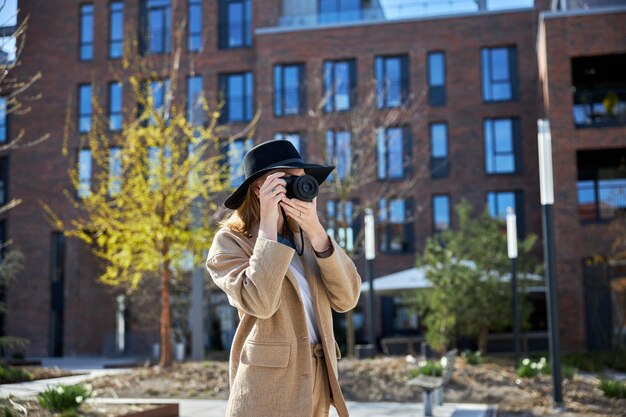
65	399
613	389
9	374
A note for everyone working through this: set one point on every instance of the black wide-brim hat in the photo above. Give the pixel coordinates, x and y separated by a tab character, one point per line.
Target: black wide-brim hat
270	155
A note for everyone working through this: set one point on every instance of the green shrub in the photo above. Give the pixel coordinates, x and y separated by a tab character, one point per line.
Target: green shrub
614	389
431	368
10	374
6	411
473	358
63	398
530	368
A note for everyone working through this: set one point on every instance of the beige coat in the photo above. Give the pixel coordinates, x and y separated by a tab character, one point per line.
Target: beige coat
270	359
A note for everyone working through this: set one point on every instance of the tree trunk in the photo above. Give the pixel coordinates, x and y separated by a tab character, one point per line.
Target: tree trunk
166	325
482	340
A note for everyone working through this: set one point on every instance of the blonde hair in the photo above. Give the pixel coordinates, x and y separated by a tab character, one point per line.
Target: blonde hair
246	216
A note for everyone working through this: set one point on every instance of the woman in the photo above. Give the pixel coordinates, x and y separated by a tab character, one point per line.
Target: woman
283	360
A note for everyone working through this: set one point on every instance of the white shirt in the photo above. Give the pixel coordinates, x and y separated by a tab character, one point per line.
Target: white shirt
297	269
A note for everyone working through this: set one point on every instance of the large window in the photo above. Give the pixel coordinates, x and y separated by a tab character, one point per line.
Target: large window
393	150
338	153
159	90
116	29
85	52
194	19
115	106
332	11
195	112
439	161
289	89
237	91
4	180
502	146
84	108
295	139
115	170
339	85
395	225
84	173
499	201
236	151
392	80
4	118
235	24
437	78
499	69
441	212
156	26
342	223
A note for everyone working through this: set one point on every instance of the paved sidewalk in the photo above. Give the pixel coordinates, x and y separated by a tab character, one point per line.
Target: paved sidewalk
217	408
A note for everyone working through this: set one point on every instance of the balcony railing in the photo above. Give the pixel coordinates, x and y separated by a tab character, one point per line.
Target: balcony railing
599	107
565	5
601	200
402	10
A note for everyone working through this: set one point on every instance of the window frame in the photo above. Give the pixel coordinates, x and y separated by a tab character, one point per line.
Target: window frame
80	110
518	197
333	146
4	119
354	223
449	213
223	41
329	106
111	111
385	226
436	93
513	73
223	89
404	79
301	141
191	35
280	94
81	42
145	35
406	154
111	39
78	194
191	105
516	145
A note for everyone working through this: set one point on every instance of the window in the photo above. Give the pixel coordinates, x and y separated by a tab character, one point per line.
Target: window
332	11
236	90
498	201
236	150
439	150
194	11
4	180
4	118
115	106
342	224
339	85
235	24
84	108
195	112
84	173
392	81
437	78
116	29
295	139
155	26
441	212
393	150
154	166
86	32
338	153
502	143
289	89
499	67
115	170
395	228
159	90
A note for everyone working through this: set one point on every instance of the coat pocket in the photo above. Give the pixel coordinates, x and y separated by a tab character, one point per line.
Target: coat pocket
267	354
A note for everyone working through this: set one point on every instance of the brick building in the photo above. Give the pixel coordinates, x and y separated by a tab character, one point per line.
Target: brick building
484	73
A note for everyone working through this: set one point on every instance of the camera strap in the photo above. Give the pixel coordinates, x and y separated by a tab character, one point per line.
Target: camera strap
290	235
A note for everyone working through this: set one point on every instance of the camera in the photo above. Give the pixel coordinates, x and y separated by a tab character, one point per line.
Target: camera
303	187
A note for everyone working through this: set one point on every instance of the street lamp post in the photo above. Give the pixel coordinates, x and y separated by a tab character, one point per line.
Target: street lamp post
370	254
547	201
511	234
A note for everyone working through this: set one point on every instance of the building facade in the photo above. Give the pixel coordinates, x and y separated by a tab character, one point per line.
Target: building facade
479	76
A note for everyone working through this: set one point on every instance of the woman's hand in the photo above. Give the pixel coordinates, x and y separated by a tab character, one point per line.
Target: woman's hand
305	214
270	194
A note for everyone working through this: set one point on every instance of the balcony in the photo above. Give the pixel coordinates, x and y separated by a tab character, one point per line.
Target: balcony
601	185
297	14
600	107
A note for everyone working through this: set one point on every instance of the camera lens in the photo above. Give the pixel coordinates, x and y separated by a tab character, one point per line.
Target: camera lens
304	187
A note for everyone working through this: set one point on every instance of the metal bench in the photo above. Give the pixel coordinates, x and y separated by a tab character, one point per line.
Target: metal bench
435	383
